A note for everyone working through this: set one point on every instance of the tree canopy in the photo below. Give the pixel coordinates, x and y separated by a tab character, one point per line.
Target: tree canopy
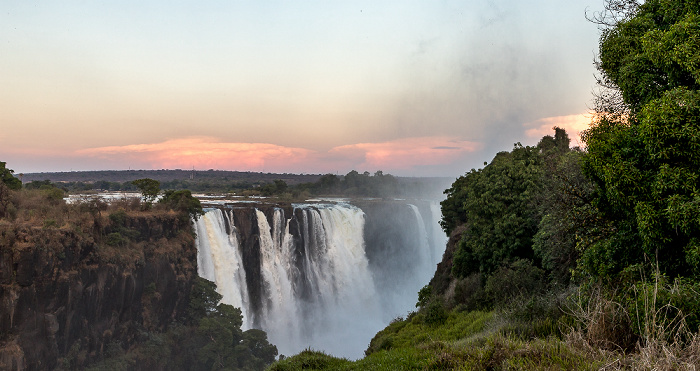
646	163
503	208
149	189
7	178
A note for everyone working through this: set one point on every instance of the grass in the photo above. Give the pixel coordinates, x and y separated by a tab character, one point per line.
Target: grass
465	341
413	331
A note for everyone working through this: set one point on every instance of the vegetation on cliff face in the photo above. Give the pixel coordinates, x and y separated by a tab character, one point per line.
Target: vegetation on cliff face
112	286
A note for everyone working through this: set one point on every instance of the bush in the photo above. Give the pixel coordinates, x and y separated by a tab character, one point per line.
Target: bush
468	293
519	279
182	201
435	313
118	218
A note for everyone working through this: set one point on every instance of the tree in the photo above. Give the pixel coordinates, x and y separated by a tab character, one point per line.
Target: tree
500	217
182	201
218	341
277	187
328	183
645	162
149	189
8	179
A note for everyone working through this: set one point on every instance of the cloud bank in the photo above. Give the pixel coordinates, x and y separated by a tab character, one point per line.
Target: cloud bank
400	156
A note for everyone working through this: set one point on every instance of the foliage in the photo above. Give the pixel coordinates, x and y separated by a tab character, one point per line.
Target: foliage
645	164
203	298
459	344
503	207
8	179
276	187
182	201
351	184
211	340
310	360
8	183
498	211
519	279
424	296
219	341
149	190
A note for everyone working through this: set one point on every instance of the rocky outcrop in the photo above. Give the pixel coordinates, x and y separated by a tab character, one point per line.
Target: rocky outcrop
442	279
68	294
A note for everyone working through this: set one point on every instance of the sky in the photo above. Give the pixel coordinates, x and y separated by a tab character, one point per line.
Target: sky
412	88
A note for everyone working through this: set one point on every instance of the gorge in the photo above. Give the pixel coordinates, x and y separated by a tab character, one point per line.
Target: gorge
322	275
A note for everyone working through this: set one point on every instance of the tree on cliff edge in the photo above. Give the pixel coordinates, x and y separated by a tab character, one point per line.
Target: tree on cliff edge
645	158
149	190
8	179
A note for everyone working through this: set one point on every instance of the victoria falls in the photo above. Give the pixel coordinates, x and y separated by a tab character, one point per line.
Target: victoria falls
350	185
322	275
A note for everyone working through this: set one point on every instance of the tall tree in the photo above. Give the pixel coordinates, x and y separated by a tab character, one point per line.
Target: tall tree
646	161
8	179
502	207
149	189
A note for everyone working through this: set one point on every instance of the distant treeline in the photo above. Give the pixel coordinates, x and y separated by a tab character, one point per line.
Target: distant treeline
214	177
247	183
355	184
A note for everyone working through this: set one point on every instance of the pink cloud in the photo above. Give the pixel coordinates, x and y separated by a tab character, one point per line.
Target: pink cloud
573	124
203	153
209	153
406	153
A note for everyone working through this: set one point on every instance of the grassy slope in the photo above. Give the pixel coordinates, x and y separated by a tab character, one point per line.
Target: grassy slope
465	341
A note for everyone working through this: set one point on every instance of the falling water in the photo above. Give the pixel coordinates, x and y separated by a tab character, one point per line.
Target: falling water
318	288
219	258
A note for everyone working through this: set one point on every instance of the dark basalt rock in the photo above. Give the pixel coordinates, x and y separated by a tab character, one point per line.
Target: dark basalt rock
66	295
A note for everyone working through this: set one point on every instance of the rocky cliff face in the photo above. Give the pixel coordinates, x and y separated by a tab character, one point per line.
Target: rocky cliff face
68	294
442	280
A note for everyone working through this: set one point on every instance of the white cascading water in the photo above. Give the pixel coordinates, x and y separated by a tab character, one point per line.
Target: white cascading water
319	294
426	259
279	310
219	259
438	238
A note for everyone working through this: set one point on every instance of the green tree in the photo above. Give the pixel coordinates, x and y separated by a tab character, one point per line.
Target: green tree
8	179
645	162
523	206
501	220
218	341
328	183
277	187
149	189
182	201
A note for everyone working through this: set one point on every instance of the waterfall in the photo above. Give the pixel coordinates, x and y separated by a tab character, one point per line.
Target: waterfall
426	267
219	259
438	237
304	274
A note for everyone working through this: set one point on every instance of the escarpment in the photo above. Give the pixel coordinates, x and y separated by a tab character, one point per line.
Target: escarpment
68	293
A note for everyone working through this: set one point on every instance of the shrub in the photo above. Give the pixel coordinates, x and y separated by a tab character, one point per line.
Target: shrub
182	201
519	279
469	293
435	313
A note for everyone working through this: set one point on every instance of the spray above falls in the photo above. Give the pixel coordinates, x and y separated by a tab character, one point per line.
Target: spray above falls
324	276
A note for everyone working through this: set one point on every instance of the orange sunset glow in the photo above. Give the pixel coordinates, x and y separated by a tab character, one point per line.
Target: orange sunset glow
414	89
